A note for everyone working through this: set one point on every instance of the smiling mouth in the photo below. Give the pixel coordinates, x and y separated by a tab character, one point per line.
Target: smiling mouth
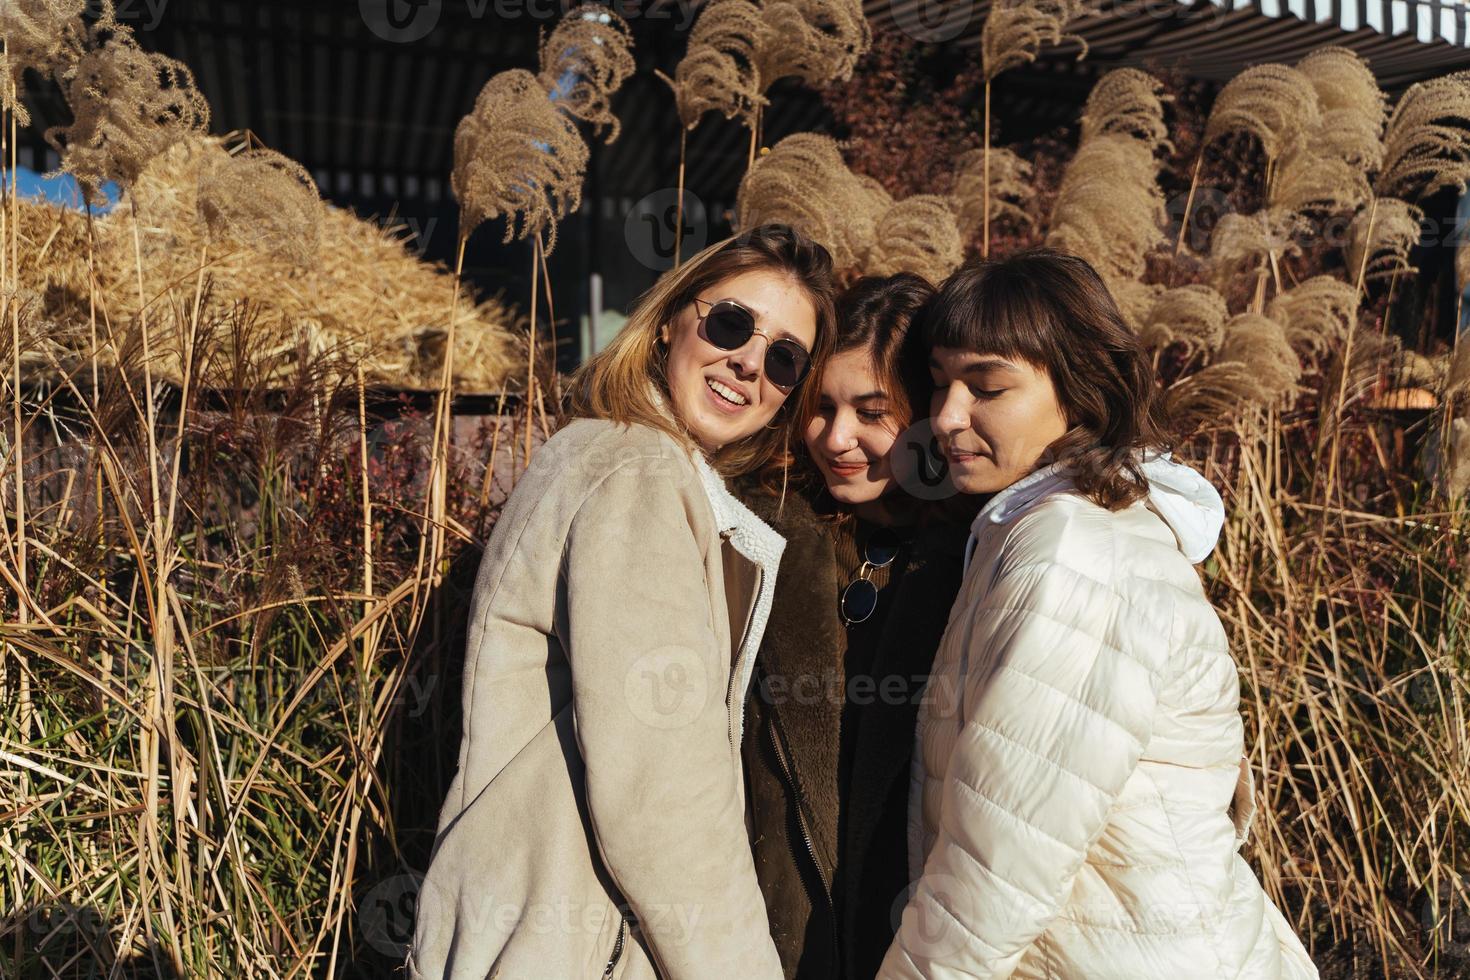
727	393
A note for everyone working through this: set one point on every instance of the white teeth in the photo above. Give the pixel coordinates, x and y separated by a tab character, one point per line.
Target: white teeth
726	392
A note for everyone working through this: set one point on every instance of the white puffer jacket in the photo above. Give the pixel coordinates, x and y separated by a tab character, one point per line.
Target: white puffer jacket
1080	791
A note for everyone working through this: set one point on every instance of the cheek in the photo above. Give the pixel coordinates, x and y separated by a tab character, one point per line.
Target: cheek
812	434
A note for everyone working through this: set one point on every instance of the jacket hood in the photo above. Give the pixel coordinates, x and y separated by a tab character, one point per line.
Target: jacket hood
1184	499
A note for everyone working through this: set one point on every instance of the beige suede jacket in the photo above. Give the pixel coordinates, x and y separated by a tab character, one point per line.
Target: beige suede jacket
595	827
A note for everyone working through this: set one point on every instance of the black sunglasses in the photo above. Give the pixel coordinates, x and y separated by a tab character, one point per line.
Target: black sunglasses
860	598
729	326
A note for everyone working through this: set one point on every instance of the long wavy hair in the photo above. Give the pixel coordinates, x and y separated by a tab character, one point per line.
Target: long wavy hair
615	383
1052	310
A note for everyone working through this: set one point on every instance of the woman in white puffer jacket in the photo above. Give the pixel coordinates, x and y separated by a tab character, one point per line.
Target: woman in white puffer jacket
1080	787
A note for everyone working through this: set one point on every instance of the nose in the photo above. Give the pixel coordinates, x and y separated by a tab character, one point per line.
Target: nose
746	361
951	417
840	436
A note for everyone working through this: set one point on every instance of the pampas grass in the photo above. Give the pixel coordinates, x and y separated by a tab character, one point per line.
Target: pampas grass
517	156
1127	102
1015	30
1260	343
1425	148
261	197
584	60
1192	316
1396	230
128	106
718	70
1109	209
1010	189
817	41
1318	314
917	234
1276	104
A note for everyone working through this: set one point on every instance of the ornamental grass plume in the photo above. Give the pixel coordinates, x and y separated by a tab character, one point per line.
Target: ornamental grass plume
718	69
817	41
1353	107
1015	30
1275	103
1396	230
1242	242
917	234
1109	208
516	155
584	60
44	36
803	182
128	106
1426	146
1011	189
1260	343
1310	183
1127	102
1317	314
263	198
1457	374
1192	316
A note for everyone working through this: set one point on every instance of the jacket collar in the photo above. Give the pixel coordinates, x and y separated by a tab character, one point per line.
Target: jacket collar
751	537
1178	494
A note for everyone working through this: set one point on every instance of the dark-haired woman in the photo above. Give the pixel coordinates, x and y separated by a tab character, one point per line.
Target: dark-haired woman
596	825
866	582
1081	790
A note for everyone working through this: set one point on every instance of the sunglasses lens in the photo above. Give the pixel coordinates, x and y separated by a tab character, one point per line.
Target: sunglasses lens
728	327
859	600
785	363
881	547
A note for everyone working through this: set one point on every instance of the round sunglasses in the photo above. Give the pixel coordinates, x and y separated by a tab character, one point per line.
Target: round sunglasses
729	326
860	598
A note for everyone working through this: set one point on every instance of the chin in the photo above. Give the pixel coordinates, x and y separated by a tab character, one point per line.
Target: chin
976	483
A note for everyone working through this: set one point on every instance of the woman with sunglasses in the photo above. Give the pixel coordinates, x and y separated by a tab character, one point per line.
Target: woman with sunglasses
866	582
595	826
1081	788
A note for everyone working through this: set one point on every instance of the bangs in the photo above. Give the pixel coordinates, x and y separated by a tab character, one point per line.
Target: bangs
994	310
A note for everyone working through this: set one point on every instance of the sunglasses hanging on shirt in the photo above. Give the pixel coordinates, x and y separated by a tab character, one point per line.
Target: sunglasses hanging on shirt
860	597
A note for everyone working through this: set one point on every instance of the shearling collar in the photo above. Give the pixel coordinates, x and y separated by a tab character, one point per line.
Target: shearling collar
753	539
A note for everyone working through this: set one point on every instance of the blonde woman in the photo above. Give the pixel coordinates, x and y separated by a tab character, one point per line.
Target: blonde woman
1081	790
595	827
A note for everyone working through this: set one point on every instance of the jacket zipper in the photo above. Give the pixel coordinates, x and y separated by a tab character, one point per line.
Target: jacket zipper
617	949
811	850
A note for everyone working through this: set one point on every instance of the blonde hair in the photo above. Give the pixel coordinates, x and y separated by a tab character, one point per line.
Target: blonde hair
619	382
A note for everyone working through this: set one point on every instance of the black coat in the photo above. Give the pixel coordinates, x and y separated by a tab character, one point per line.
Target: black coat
834	871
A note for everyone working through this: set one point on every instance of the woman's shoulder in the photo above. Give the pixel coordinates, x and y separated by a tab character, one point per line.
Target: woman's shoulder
1121	549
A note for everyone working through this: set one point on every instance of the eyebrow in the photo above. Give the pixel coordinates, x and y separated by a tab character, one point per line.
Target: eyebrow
984	364
871	396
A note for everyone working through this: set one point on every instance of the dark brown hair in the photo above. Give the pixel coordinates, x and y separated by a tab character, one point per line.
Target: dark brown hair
613	384
1053	311
874	313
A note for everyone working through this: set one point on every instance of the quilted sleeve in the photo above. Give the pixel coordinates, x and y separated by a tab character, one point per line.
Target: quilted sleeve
1056	708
